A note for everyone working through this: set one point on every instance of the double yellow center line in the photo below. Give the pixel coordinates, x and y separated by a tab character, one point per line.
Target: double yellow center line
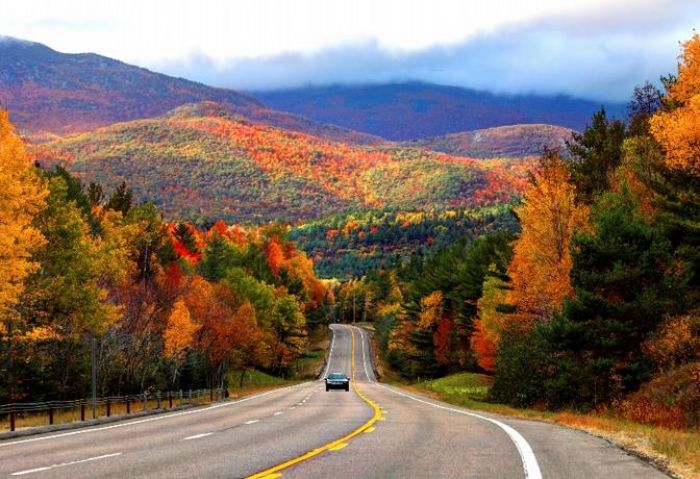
335	445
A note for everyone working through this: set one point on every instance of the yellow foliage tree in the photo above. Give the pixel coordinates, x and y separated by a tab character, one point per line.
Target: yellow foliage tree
21	198
678	129
490	323
431	310
180	331
541	264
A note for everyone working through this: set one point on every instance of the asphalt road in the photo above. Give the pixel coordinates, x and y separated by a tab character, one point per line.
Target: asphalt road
414	437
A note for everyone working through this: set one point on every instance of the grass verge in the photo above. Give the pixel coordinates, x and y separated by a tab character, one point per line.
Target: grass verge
675	451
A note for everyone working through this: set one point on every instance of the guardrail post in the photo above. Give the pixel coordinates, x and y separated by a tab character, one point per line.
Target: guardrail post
211	395
170	399
158	399
82	410
189	398
180	403
145	401
128	405
51	416
12	420
109	407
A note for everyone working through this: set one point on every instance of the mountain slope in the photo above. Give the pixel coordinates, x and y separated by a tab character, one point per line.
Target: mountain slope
51	92
504	141
204	162
406	111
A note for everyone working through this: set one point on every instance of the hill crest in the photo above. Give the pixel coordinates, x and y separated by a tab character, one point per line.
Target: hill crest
51	93
512	141
413	110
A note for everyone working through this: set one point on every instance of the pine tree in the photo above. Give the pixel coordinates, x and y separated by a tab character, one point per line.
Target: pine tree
595	154
121	200
627	277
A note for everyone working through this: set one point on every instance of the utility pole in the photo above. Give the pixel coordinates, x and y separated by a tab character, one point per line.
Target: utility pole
94	379
353	304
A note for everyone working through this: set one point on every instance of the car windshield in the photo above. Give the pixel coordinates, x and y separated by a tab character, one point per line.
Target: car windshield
336	376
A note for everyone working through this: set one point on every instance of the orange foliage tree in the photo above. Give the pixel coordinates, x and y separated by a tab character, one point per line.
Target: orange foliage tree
275	255
178	335
541	264
490	323
180	330
678	129
22	197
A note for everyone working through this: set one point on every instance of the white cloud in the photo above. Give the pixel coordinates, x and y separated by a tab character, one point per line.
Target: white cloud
590	47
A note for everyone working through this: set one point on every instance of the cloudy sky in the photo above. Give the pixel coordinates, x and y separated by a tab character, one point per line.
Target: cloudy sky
596	49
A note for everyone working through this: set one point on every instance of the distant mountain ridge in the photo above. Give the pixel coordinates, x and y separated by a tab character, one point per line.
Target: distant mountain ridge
513	141
51	92
409	111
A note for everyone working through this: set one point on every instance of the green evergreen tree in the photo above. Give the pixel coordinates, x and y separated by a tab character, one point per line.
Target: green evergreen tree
595	153
627	277
121	200
219	256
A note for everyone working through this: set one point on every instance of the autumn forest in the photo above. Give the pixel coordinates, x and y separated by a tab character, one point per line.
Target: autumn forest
209	238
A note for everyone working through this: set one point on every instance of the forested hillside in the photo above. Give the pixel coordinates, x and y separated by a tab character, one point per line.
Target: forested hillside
594	305
169	304
204	162
352	244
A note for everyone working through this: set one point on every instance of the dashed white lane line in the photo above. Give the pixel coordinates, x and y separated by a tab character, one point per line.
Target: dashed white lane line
197	436
64	464
149	419
278	413
252	421
530	465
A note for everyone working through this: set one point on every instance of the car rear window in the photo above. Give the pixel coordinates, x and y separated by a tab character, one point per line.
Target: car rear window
336	376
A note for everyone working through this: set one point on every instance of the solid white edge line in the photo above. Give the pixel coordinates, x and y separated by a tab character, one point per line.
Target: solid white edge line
30	471
364	356
330	352
198	436
161	417
530	465
64	464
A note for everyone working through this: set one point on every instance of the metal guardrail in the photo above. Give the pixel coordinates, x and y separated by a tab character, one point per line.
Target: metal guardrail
163	400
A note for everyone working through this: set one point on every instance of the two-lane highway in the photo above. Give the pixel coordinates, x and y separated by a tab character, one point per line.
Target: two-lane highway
310	433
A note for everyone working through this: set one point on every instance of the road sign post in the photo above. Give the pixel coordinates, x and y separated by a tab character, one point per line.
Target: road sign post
94	379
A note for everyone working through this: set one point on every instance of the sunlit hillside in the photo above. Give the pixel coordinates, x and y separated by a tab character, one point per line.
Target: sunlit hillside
203	162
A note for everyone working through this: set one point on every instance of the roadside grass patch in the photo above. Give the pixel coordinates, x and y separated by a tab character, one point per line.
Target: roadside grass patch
471	386
252	379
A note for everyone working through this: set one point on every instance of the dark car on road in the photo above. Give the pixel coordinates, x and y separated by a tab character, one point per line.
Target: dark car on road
337	381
